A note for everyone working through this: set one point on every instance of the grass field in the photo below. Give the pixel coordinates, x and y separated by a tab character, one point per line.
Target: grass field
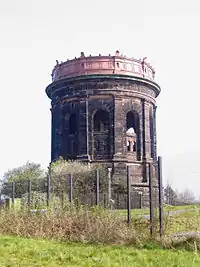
21	252
90	228
96	224
167	208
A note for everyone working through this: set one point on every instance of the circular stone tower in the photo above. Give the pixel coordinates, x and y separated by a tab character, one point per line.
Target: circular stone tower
103	111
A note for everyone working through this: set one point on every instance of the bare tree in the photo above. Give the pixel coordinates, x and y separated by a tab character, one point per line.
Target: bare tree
170	195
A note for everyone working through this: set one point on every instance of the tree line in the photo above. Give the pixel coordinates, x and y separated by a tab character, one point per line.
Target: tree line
83	180
173	197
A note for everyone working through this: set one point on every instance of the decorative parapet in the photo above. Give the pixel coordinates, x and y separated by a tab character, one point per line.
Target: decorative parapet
117	64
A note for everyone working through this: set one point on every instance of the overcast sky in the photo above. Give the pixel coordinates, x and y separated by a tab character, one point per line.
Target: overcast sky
34	33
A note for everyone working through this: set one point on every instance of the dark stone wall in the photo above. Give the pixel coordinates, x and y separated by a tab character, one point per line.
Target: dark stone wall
112	97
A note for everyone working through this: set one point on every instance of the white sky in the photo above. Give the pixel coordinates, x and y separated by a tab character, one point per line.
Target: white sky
34	33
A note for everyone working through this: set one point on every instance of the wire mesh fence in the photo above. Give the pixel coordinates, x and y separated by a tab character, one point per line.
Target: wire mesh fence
62	191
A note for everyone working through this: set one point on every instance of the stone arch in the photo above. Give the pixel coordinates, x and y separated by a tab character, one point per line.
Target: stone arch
131	106
73	136
133	129
101	134
69	134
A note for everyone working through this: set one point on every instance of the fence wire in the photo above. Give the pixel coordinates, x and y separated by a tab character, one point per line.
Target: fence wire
62	191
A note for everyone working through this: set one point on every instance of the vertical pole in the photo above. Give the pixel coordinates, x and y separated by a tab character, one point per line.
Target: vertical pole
29	192
97	187
7	203
128	196
104	200
48	188
24	193
161	214
109	186
13	192
24	186
152	219
140	200
70	188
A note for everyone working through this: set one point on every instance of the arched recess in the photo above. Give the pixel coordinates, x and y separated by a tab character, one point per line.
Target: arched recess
133	128
70	136
151	133
73	124
101	134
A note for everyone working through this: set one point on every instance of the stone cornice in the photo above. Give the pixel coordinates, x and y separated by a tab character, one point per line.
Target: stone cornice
111	79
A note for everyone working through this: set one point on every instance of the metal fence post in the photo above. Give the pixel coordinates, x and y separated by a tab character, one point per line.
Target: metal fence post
140	194
48	189
128	196
104	200
24	186
161	214
109	187
152	219
29	192
97	187
13	192
49	185
70	187
7	203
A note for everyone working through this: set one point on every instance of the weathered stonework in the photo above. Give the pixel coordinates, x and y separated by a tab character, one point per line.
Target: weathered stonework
93	107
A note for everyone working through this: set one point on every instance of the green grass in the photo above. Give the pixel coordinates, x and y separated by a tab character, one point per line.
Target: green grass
167	208
17	204
96	226
22	252
134	212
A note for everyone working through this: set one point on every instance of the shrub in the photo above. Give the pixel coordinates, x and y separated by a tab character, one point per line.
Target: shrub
38	200
85	224
83	179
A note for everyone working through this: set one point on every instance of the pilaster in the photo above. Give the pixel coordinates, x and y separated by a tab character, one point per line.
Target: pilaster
119	149
155	133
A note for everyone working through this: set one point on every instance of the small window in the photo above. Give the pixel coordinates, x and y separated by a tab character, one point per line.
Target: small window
101	121
132	121
128	146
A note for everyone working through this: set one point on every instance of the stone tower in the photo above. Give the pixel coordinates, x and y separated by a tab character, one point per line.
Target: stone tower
104	111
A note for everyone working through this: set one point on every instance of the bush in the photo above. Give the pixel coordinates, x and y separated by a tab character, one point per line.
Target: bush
38	200
84	183
85	224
